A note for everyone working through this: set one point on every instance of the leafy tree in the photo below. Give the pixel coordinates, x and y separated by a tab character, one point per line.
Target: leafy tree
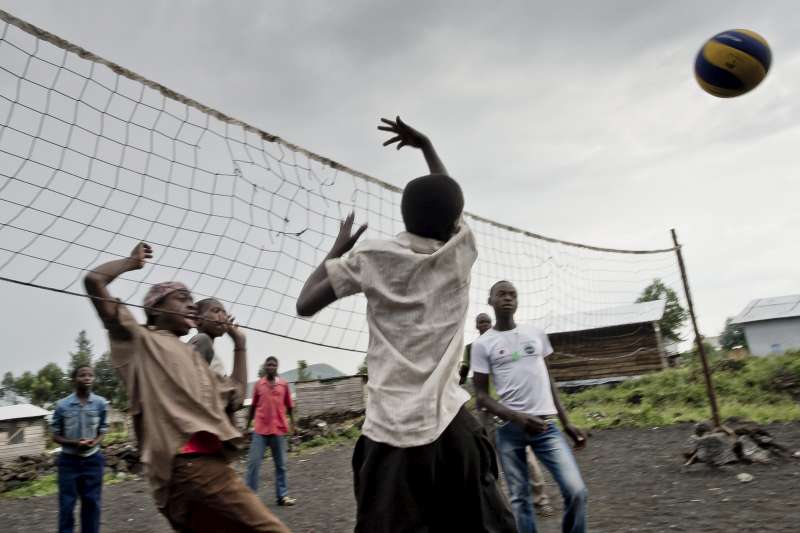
303	374
674	314
83	355
8	381
732	336
107	383
50	385
24	384
362	368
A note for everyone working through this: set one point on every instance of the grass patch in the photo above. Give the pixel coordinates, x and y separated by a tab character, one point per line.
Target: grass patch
115	437
319	441
47	485
762	389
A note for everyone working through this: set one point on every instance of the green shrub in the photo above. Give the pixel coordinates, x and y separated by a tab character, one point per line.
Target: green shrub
763	389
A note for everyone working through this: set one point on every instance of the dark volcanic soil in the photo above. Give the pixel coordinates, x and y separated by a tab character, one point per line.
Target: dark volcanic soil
635	479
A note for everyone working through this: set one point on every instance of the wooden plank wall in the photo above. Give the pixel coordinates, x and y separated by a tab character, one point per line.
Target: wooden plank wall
314	398
34	443
606	346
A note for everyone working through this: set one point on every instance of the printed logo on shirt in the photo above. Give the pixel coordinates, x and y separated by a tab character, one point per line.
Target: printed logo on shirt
529	348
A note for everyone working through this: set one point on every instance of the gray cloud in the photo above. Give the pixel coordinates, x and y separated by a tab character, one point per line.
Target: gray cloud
580	121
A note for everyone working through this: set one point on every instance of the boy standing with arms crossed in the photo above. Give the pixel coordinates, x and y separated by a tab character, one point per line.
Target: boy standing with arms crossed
423	463
181	408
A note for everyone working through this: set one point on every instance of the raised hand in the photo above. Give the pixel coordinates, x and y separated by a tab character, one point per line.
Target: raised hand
140	254
404	135
236	334
346	239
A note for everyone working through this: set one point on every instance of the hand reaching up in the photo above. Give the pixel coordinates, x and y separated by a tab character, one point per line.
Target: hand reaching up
404	135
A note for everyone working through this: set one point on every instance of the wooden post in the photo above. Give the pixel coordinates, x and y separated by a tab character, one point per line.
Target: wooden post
712	395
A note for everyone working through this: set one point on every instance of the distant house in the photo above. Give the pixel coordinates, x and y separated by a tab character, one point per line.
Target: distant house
345	394
771	325
22	431
9	397
319	397
606	345
315	371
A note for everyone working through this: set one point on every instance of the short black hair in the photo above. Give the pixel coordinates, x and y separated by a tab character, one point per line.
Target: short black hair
77	369
431	206
271	358
496	283
205	303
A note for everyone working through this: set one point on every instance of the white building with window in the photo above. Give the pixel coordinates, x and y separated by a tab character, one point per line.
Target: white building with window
771	325
23	431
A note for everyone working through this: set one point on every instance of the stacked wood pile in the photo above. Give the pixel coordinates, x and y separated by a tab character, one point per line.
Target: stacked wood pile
121	458
629	350
336	426
25	468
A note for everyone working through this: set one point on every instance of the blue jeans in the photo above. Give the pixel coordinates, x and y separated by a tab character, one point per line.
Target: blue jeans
555	454
79	477
258	444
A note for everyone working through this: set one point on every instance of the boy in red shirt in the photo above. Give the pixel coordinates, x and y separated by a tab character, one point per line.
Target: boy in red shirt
272	401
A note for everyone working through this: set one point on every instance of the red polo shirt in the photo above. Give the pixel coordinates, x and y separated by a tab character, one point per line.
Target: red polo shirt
270	402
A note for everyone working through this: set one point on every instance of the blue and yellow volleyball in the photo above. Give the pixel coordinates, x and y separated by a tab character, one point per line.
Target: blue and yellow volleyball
732	63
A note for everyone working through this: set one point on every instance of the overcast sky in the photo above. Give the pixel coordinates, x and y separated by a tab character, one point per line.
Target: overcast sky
581	122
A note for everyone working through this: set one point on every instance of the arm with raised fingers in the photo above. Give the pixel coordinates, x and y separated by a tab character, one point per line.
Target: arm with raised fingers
405	135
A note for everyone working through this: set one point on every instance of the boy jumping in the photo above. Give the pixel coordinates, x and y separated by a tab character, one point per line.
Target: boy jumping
423	463
181	408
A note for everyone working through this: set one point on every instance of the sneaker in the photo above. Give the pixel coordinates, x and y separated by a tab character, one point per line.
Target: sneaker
287	501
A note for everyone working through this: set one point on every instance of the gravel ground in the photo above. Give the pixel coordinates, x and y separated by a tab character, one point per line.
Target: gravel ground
635	479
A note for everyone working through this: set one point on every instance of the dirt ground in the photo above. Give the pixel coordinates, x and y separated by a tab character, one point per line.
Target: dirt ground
635	480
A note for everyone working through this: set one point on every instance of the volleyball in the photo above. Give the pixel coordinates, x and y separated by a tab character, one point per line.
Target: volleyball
732	63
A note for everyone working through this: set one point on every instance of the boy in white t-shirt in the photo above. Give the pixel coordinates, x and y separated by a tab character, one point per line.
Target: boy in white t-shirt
528	400
423	463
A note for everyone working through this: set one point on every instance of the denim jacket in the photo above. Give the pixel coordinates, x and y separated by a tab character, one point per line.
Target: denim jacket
74	421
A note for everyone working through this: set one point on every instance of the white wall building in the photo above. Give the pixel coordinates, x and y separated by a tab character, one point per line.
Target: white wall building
23	431
771	325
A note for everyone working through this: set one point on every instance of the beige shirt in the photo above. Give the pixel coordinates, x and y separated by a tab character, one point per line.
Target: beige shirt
417	292
172	393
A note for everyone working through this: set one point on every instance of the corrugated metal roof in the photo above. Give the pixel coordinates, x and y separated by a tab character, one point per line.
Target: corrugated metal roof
12	412
770	309
636	313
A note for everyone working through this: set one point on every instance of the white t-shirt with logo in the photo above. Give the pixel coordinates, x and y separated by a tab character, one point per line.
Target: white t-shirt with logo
515	361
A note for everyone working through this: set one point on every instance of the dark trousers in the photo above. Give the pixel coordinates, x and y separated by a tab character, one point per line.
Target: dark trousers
448	485
79	477
206	495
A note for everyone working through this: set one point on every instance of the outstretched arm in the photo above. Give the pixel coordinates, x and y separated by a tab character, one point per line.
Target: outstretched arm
405	135
96	283
317	293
